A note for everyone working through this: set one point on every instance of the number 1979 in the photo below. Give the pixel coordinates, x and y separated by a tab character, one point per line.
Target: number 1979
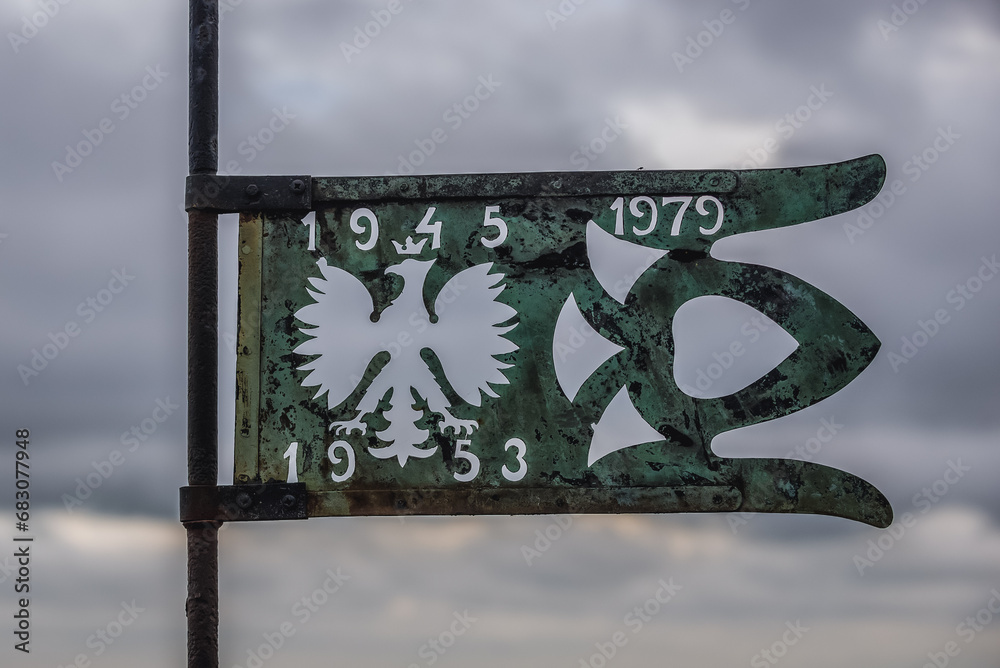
635	208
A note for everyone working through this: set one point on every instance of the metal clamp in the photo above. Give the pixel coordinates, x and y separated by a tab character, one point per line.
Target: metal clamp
222	193
244	503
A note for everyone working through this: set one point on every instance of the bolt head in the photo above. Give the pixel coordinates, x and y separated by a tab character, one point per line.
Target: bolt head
288	501
298	186
252	191
243	499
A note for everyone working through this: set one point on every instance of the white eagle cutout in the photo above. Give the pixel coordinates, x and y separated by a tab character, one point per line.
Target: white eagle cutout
466	338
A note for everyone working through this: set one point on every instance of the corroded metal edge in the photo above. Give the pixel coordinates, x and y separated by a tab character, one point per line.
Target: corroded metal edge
760	201
248	348
760	485
525	501
328	189
846	184
794	486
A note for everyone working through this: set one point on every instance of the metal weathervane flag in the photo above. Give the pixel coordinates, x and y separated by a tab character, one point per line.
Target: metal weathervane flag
502	344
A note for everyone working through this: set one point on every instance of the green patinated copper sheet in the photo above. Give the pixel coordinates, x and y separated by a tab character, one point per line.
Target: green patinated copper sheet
372	340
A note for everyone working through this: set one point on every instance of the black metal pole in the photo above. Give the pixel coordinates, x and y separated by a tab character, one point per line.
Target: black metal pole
203	87
203	456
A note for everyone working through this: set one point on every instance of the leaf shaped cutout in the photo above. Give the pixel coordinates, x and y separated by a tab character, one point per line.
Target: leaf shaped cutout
621	426
722	346
577	349
617	264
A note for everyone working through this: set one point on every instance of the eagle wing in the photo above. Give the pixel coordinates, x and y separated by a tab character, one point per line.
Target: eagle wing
468	335
342	333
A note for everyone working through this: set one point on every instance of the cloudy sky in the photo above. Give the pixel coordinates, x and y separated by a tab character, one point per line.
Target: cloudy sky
93	265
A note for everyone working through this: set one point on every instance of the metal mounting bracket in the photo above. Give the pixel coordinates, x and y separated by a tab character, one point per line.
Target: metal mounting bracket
244	503
222	193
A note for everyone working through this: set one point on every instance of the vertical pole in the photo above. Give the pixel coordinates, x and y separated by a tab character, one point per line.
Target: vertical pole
203	456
